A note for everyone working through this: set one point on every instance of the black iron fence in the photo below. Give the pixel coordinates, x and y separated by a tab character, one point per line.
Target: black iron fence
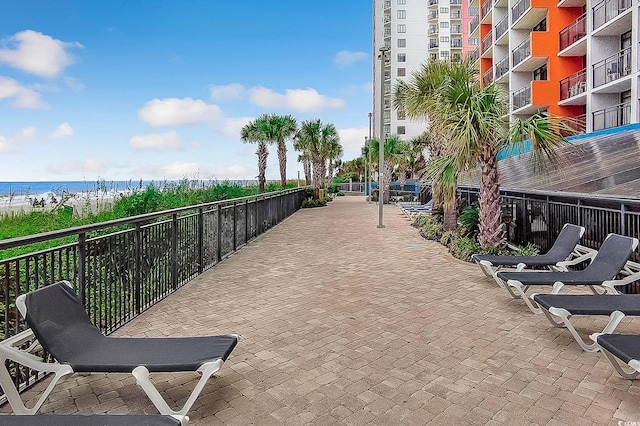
122	267
537	217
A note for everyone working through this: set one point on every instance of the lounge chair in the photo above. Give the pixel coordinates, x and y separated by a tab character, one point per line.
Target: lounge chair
609	262
560	308
415	209
93	420
58	321
564	252
621	349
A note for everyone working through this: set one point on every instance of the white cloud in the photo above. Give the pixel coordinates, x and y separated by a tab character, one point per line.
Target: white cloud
177	112
352	138
88	166
20	95
301	100
228	92
156	141
63	130
36	53
5	145
233	126
25	134
344	58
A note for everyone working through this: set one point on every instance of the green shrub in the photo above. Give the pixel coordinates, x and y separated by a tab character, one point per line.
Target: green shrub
469	221
340	194
431	230
421	219
463	248
449	237
310	202
528	250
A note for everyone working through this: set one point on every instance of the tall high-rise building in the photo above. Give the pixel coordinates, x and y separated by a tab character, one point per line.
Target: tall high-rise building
413	31
574	58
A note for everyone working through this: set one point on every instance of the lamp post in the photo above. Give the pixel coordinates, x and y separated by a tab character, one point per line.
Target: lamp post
366	145
369	149
381	141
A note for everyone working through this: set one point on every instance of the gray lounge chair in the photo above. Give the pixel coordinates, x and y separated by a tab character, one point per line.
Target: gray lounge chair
610	261
620	350
58	321
92	420
563	307
564	252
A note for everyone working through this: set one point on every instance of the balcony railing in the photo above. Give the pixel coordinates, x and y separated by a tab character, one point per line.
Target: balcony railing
455	2
502	26
433	2
579	123
473	25
433	44
475	54
502	67
432	14
612	68
485	8
573	32
387	5
573	85
518	10
455	15
456	43
522	52
456	29
607	10
487	77
521	98
487	40
433	29
387	33
614	116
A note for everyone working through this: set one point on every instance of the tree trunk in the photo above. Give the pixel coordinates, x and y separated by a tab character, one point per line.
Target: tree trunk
282	158
491	226
386	181
318	174
262	154
450	221
402	177
306	164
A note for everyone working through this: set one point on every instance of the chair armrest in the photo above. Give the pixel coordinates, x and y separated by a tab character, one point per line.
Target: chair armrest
580	254
631	272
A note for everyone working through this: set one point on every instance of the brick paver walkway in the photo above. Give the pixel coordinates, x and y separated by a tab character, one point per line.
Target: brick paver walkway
345	323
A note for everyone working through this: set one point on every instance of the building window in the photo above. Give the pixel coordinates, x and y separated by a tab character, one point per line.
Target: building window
401	130
402	72
402	42
402	14
402	2
444	39
473	41
402	57
401	114
444	10
444	54
541	26
433	56
444	25
402	28
540	73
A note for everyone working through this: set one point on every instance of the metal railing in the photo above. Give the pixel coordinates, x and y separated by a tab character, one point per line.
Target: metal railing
487	77
518	10
473	24
537	217
502	26
522	52
615	116
612	68
475	54
573	85
502	67
456	43
606	10
455	14
456	29
573	32
521	97
433	44
122	267
433	14
485	8
433	29
486	43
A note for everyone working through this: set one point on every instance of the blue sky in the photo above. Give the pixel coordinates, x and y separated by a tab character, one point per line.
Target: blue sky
159	89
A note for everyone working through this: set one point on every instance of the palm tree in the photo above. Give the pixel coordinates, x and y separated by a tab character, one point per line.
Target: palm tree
257	132
393	147
312	137
282	128
468	117
333	151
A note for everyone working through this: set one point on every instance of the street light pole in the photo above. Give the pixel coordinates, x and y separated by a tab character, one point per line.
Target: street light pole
369	149
381	139
366	176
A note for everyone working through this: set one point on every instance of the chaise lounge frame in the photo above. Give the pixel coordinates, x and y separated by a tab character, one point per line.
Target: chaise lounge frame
14	349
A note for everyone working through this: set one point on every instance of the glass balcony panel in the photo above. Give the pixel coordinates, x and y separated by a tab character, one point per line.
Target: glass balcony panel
612	68
518	10
486	42
502	26
521	98
573	32
606	10
522	52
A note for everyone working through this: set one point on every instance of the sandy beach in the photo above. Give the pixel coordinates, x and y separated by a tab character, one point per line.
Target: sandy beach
81	203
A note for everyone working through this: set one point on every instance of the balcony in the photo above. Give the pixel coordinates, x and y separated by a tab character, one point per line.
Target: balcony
434	44
455	15
525	17
607	10
522	58
573	32
521	98
433	2
502	67
614	116
485	10
475	54
612	68
433	14
522	52
487	77
579	123
433	29
455	2
473	25
387	5
456	43
502	26
456	29
573	85
486	44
